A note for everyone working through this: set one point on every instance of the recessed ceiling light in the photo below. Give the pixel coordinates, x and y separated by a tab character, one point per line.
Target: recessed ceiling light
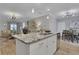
33	10
47	17
48	9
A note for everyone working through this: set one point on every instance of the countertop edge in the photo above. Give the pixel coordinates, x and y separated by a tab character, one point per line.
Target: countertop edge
36	40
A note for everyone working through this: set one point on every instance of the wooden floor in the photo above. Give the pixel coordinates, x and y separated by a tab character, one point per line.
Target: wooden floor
8	48
66	48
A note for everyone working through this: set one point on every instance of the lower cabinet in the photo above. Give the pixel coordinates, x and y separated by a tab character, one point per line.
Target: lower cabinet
39	48
52	45
43	47
22	48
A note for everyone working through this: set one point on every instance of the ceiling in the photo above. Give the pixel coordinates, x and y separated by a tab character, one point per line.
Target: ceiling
25	9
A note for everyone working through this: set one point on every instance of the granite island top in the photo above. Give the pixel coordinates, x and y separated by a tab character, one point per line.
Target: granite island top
31	37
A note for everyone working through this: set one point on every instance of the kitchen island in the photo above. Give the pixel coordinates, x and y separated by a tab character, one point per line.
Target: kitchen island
35	44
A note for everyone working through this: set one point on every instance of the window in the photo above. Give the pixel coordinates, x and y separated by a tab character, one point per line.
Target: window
13	28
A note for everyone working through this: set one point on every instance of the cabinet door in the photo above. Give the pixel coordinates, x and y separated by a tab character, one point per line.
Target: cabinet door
52	44
21	48
39	48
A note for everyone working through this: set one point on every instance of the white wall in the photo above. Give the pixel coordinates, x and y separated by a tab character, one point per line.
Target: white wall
52	24
49	24
68	23
2	25
60	27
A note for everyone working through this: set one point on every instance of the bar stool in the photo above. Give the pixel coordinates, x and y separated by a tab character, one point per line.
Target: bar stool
77	38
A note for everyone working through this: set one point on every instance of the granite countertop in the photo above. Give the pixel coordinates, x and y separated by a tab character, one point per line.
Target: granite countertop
31	37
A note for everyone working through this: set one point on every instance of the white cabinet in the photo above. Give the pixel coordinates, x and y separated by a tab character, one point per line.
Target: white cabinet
52	44
22	48
43	47
39	48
